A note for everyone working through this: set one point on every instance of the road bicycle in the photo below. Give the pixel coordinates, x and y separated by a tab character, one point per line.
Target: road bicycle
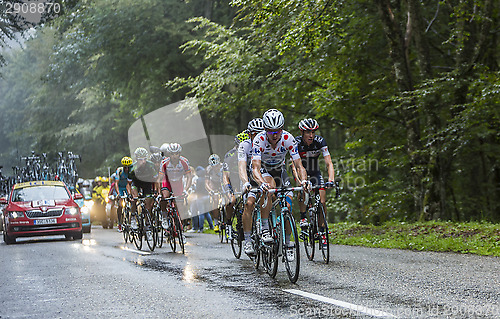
222	218
283	225
140	225
173	232
157	227
317	231
126	216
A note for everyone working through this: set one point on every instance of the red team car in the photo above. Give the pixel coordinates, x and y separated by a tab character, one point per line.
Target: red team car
41	208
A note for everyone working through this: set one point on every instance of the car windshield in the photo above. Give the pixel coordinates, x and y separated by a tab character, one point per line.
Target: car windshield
36	193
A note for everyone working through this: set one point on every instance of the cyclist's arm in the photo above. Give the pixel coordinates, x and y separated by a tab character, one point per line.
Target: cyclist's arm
294	172
225	178
208	183
329	167
256	165
129	186
301	171
242	171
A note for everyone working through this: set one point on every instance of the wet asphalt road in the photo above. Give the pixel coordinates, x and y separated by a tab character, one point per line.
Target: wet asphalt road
101	277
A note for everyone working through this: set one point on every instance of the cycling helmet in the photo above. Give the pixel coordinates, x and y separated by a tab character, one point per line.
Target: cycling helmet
126	161
165	148
97	179
156	157
175	148
241	137
308	125
273	119
141	153
256	125
213	160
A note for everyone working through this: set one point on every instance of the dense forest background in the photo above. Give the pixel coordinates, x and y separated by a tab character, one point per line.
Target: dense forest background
406	92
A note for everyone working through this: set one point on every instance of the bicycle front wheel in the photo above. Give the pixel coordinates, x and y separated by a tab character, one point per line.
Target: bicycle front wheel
237	236
149	233
171	233
291	250
159	230
308	238
180	236
126	225
324	247
136	230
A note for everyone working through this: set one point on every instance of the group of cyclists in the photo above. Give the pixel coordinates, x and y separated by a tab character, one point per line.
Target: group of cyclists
255	164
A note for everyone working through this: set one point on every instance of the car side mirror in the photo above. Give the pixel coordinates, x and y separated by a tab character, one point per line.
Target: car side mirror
78	196
3	201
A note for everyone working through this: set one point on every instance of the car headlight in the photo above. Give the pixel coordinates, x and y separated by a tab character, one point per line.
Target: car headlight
85	210
72	211
16	214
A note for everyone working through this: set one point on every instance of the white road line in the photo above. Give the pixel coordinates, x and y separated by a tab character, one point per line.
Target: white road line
343	304
136	251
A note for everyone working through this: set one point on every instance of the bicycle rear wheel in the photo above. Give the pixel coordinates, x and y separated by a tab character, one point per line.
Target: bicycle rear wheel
137	232
149	233
291	251
126	225
325	249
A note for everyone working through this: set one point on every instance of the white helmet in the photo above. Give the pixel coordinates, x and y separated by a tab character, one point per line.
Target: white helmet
165	148
256	125
175	148
308	125
273	119
141	153
213	159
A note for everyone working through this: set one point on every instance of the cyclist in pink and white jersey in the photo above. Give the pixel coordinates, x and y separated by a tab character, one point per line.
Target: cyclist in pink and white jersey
268	164
172	171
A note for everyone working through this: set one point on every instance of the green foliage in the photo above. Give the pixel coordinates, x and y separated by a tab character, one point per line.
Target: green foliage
80	83
474	238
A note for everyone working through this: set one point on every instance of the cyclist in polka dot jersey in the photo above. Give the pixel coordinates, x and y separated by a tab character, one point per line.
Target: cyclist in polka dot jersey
270	148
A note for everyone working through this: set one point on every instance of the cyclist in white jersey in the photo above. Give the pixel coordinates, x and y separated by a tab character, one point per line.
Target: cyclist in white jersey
268	164
254	127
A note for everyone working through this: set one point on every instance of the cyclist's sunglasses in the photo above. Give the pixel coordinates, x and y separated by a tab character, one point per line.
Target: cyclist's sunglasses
274	132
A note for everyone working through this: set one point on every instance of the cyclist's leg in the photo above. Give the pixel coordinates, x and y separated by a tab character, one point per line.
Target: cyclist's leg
165	193
135	194
318	180
247	222
230	208
284	181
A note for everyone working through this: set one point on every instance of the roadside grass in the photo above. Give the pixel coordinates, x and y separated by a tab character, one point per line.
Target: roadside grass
472	238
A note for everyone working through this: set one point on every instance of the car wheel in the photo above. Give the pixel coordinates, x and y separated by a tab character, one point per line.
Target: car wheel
78	236
7	239
86	229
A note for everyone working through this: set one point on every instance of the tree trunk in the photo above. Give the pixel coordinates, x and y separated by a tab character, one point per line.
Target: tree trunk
404	81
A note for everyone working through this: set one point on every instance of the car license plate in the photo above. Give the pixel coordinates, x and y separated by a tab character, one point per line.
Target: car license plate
45	221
